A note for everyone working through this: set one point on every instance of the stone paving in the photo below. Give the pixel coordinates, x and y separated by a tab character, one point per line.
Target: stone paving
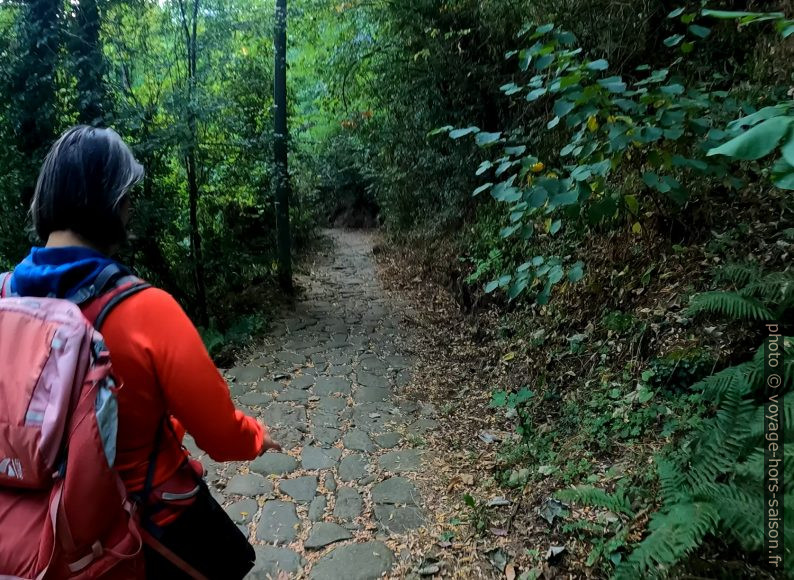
327	383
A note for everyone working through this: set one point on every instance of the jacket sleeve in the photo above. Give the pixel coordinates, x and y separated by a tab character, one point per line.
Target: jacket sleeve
195	392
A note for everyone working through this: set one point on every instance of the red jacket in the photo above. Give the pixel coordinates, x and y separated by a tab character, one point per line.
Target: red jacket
163	364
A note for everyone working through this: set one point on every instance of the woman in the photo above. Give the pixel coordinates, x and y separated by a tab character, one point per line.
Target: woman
81	207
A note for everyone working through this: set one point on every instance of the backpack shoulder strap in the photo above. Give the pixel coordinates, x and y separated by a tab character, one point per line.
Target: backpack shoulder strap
5	279
98	309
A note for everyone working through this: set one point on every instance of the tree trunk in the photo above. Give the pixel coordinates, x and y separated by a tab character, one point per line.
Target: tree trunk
34	87
88	62
280	150
190	30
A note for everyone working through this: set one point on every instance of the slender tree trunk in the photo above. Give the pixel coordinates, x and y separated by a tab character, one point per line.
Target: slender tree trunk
280	149
88	63
191	43
33	86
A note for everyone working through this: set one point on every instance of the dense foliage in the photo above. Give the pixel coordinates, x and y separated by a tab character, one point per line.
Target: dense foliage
188	84
612	179
647	128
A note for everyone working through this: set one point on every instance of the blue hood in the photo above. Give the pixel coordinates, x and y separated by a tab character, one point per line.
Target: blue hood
57	272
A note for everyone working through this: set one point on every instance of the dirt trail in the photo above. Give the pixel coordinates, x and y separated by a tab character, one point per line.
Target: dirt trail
342	501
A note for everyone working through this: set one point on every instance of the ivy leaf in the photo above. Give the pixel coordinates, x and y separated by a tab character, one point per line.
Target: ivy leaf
757	142
491	286
484	166
613	84
555	227
544	61
699	31
506	193
440	130
555	274
524	60
563	199
676	13
538	197
516	288
480	189
674	89
487	138
576	272
458	133
600	64
673	40
508	231
511	89
563	107
535	94
553	123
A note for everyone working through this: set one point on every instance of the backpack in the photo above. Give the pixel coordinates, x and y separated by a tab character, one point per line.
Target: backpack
64	511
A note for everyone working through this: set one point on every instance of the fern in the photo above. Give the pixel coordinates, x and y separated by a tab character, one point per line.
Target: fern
717	486
715	386
731	304
674	533
738	274
777	288
671	480
595	497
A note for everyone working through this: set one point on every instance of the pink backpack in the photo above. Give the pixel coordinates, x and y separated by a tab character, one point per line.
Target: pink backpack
64	512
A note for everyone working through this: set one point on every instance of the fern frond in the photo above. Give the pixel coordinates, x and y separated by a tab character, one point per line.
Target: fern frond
738	274
750	472
595	497
730	304
722	441
715	386
741	514
672	481
758	424
775	288
674	533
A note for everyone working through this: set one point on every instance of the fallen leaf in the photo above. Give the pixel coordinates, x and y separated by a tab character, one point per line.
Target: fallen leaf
498	558
498	502
554	551
510	572
551	509
499	531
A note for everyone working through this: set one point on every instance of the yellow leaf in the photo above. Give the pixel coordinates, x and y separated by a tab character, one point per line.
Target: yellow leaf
509	356
592	124
538	167
636	228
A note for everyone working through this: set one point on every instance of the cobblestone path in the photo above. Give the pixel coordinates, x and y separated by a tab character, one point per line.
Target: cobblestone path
335	504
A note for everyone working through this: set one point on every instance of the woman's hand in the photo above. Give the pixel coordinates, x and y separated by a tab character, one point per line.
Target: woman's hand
269	444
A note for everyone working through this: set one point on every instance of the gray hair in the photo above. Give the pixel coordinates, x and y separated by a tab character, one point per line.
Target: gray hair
84	179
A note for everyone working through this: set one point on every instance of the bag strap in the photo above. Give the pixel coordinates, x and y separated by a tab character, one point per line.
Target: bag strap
169	555
149	482
5	278
98	309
